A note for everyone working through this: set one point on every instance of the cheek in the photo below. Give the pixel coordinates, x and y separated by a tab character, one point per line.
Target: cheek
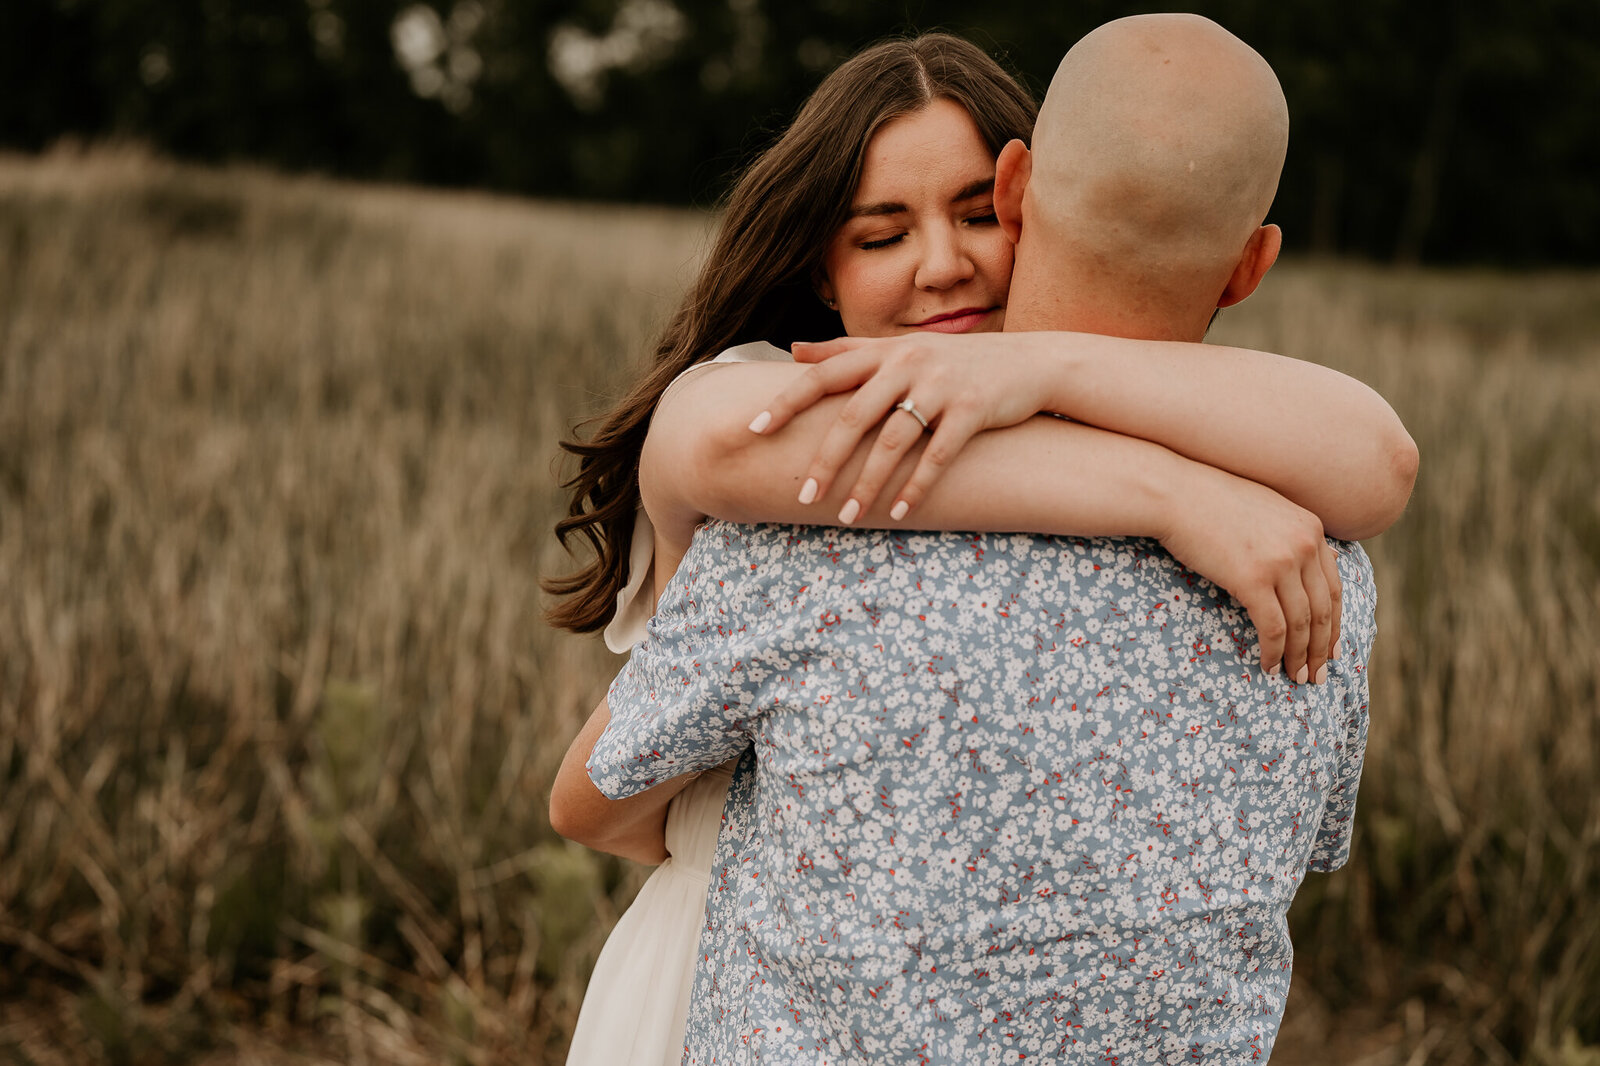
870	297
994	258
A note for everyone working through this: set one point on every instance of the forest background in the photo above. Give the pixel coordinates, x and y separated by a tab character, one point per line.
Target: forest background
1444	131
278	713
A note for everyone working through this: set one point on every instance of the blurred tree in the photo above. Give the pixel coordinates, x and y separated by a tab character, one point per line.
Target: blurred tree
1453	131
39	41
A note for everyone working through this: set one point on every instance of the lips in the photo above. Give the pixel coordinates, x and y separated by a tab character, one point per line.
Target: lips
956	321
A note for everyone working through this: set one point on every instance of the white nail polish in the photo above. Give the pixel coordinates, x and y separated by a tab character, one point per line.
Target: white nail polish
1272	671
761	422
1322	674
808	491
898	511
1301	676
848	512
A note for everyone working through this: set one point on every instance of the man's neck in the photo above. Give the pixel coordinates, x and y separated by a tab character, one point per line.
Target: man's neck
1073	301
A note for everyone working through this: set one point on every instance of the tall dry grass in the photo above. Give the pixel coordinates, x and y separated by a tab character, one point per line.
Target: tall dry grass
278	715
1468	913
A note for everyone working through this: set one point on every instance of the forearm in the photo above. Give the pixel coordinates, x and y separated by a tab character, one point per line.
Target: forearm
1045	475
1320	438
634	828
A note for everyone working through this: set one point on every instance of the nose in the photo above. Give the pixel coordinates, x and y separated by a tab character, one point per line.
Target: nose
945	260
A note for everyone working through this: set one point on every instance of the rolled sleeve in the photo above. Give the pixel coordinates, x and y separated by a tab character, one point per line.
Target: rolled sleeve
682	701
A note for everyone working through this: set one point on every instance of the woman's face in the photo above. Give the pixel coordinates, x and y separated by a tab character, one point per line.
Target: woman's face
921	249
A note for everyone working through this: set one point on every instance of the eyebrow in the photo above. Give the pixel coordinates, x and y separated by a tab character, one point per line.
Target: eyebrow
889	207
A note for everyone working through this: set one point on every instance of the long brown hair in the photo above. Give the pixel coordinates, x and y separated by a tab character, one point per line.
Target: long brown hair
757	282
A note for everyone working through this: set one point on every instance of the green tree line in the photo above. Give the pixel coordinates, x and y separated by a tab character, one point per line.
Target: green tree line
1423	130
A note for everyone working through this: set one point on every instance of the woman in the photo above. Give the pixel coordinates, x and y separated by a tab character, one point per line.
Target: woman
894	154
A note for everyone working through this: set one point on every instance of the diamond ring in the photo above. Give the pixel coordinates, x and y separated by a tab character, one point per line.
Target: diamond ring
911	409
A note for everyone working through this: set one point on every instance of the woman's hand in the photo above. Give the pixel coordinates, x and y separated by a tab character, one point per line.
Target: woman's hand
961	385
1271	555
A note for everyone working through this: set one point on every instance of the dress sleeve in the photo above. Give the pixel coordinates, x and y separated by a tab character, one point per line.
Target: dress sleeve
1358	629
626	627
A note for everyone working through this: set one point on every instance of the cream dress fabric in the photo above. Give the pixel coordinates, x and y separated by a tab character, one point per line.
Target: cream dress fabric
633	1012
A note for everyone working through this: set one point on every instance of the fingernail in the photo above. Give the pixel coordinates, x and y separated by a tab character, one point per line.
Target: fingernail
1272	671
1322	673
898	511
761	422
808	491
848	512
1338	648
1300	678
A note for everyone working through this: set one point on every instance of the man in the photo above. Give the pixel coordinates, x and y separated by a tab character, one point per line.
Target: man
1016	796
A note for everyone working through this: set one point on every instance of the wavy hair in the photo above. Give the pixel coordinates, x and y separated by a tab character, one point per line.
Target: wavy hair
757	283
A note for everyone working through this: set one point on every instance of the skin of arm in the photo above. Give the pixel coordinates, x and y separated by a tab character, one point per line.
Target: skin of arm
1044	475
634	828
1320	438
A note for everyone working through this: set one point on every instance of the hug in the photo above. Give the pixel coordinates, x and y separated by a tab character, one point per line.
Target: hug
998	663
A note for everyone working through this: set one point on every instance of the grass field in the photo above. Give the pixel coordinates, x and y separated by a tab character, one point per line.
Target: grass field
278	715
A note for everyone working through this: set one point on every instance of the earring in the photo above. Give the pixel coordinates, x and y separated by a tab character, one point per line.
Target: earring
829	302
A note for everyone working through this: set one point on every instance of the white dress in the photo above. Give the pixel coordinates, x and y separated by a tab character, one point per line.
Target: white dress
638	996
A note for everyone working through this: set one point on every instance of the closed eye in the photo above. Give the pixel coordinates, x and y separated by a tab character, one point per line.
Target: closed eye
882	242
986	219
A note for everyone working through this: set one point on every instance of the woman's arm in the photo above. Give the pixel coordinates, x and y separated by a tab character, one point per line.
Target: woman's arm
634	828
1318	437
1045	475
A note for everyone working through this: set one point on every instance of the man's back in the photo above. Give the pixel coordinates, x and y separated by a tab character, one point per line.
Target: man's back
1011	793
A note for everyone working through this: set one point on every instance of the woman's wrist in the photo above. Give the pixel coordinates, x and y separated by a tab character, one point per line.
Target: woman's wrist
1054	364
1157	502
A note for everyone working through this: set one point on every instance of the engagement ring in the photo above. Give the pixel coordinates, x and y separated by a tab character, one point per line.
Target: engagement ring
911	409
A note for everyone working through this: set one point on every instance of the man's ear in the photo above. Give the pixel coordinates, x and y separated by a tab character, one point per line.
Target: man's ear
1011	173
1259	254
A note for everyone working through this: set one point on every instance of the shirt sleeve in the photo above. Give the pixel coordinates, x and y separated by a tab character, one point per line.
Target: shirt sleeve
1358	629
683	700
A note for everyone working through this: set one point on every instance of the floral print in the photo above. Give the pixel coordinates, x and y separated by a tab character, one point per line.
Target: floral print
1005	797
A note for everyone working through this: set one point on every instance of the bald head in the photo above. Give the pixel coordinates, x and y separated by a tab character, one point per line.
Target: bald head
1156	155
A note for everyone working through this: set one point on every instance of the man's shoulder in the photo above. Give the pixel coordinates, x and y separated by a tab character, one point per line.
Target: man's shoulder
763	557
845	539
1359	590
1353	558
1355	574
757	546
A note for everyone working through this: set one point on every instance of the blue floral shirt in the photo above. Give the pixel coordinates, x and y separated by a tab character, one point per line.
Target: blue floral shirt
1007	797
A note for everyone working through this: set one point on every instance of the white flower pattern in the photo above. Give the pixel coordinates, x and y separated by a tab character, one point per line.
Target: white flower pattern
1044	810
